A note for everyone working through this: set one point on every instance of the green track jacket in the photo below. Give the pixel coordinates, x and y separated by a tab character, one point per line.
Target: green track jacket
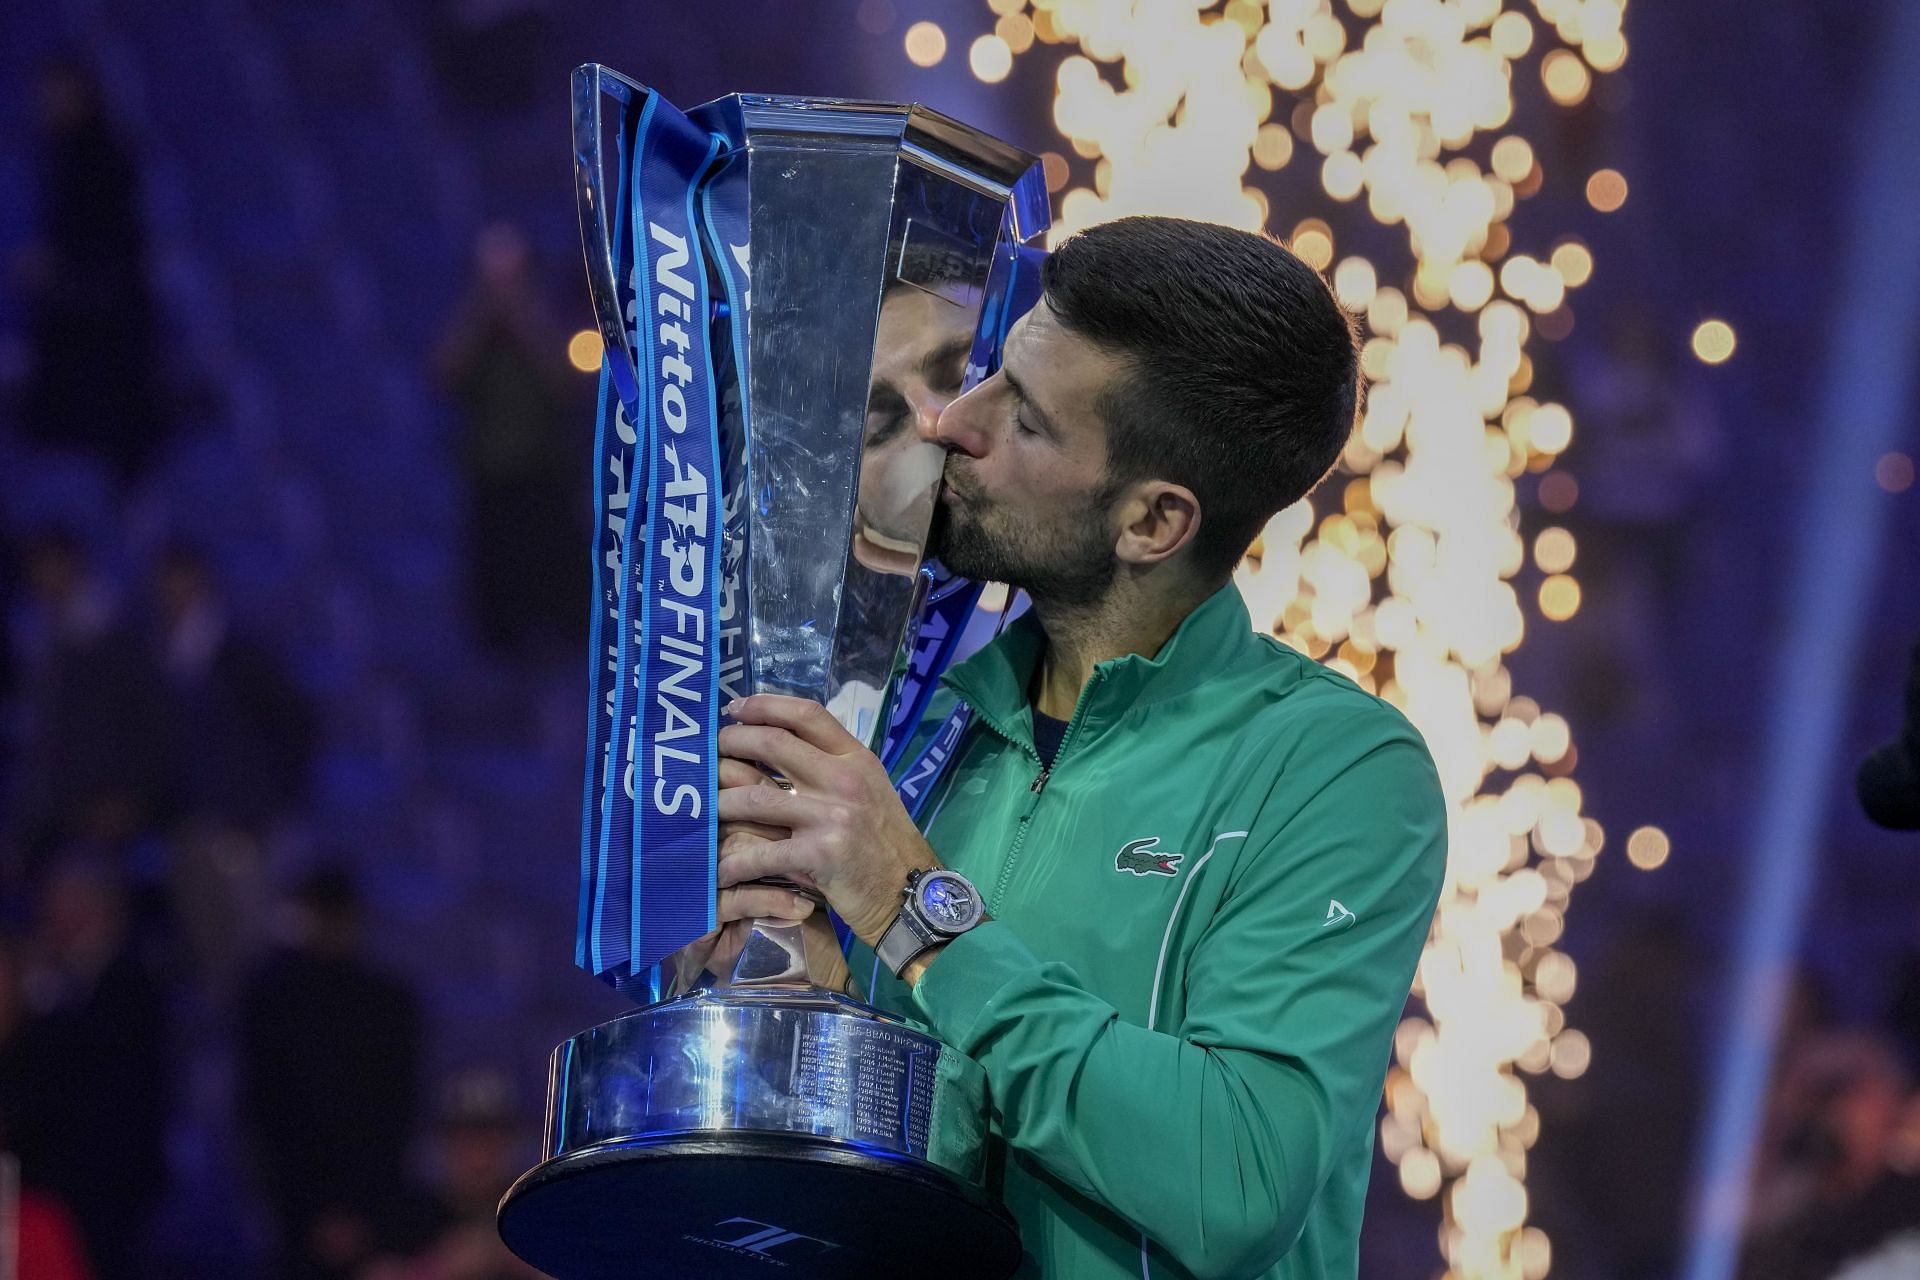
1205	921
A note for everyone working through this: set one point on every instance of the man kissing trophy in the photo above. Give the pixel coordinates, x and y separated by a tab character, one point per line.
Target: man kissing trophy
774	279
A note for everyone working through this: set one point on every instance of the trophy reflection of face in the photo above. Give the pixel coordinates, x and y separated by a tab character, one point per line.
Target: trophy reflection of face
919	359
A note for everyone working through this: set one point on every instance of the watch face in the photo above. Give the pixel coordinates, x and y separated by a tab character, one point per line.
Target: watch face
948	901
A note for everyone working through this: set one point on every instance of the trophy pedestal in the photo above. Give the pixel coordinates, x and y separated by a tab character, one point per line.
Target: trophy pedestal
718	1133
728	1204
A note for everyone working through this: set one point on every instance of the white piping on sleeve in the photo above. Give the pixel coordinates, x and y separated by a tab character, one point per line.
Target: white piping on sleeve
1173	917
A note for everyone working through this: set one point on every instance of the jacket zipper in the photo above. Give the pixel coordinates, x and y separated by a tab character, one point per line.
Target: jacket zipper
1034	788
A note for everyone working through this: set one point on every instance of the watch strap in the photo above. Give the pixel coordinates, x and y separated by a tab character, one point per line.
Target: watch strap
904	939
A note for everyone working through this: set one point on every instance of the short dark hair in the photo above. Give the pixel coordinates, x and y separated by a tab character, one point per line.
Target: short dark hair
1243	377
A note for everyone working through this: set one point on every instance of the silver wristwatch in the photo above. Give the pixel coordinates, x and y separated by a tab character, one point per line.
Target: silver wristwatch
939	905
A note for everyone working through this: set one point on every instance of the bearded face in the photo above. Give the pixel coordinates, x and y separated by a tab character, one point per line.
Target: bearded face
1062	554
1028	500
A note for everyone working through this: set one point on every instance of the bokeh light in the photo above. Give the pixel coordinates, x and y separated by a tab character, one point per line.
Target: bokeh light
1559	597
1512	158
1565	77
926	44
1559	491
1057	171
1648	848
1574	263
1313	241
1572	1054
1310	118
1605	51
1894	472
1553	550
1512	34
583	351
1713	341
1016	29
1549	429
1607	190
1272	146
990	58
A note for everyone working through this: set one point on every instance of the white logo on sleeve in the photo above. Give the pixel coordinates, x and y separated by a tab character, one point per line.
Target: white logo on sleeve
1338	917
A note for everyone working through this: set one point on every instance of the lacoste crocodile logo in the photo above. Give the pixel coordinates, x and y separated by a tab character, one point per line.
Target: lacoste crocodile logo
1140	857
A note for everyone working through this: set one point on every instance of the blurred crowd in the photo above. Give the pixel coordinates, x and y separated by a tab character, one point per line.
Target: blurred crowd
156	759
181	964
351	1172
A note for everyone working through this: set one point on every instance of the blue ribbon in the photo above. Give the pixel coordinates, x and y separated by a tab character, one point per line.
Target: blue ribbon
652	762
949	603
674	756
601	941
668	629
921	779
723	210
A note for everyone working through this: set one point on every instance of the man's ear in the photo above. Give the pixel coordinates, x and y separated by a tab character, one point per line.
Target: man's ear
1158	520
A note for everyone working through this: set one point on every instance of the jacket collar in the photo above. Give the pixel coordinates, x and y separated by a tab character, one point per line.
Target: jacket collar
995	680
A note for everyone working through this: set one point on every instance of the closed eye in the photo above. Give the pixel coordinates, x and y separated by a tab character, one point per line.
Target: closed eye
1025	408
887	414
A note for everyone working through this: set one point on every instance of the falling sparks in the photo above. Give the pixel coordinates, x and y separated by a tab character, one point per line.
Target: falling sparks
1294	116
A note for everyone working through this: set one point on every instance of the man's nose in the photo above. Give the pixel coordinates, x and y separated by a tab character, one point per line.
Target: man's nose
955	427
927	408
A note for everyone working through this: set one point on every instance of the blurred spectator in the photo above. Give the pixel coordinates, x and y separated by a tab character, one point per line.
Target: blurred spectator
46	1246
523	449
1827	1191
13	1017
478	1152
46	1243
219	906
329	1085
95	1092
93	762
93	379
243	731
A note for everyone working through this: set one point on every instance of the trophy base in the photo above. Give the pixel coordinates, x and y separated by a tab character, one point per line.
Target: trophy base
727	1204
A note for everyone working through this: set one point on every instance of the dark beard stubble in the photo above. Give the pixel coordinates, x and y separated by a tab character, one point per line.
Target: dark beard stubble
1071	566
